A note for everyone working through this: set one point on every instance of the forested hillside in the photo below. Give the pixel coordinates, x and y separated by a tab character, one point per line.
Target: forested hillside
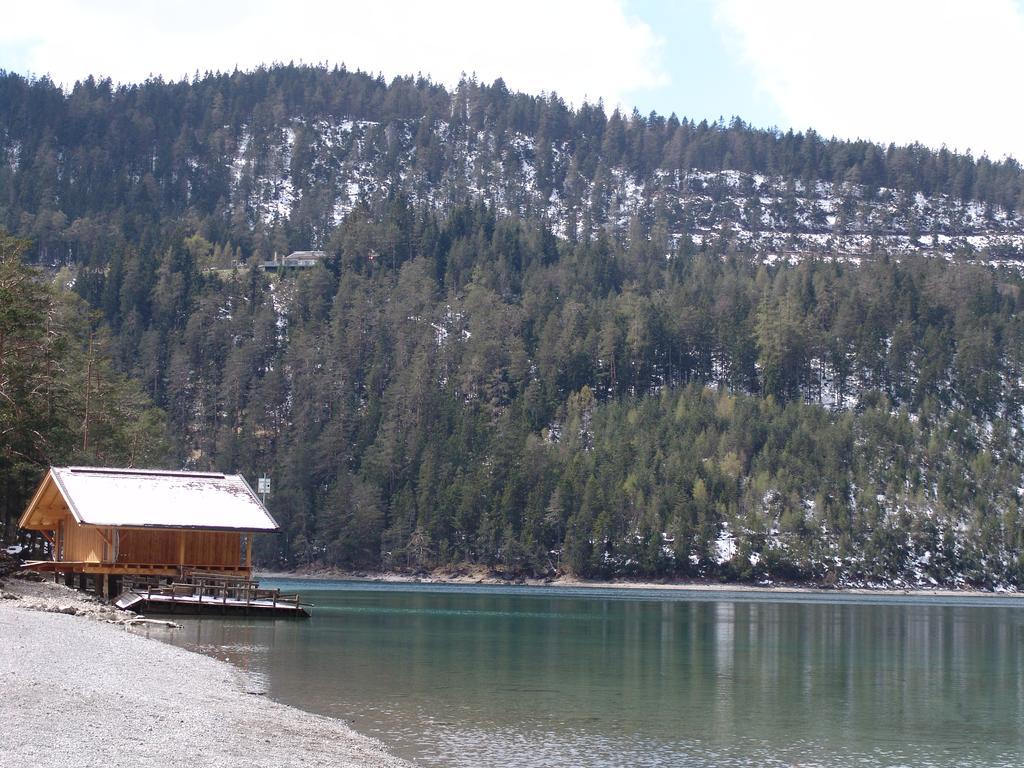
61	400
546	339
274	159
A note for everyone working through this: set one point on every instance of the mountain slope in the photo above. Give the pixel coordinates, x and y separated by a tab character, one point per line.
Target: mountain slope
289	151
547	339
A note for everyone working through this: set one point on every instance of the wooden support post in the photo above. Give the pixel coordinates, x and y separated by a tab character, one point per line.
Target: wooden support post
181	549
248	552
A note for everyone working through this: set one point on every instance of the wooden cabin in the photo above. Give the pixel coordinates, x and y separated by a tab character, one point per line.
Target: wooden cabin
137	522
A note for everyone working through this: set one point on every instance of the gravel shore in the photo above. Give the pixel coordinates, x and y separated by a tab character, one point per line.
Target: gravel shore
77	691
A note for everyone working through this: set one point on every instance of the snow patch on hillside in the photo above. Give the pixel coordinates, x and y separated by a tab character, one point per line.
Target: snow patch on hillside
773	218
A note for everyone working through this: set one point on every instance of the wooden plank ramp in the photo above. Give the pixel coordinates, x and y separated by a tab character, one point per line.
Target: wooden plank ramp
128	601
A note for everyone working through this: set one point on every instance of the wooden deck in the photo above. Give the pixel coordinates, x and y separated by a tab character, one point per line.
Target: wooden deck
211	594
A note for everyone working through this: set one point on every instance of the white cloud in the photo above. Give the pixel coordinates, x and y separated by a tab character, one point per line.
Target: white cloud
933	71
578	48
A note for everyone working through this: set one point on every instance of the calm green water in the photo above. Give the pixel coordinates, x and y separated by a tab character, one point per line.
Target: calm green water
491	676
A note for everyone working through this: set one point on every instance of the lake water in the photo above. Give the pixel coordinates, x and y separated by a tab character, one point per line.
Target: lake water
506	676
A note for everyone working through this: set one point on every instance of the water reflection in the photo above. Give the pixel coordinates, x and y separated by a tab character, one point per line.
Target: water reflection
488	678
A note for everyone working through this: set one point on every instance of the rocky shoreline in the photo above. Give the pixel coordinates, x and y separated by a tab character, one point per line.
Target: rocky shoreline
479	575
77	687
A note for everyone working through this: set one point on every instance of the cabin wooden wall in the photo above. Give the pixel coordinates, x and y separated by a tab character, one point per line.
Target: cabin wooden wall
163	547
82	543
144	546
213	548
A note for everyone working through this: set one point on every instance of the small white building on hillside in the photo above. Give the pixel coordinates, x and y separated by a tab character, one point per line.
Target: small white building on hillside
294	260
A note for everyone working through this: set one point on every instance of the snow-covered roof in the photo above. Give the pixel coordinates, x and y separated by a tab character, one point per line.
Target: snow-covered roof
143	498
307	255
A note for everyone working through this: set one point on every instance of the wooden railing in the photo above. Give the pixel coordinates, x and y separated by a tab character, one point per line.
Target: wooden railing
213	588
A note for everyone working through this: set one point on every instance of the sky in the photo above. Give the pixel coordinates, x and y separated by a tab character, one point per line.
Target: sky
942	72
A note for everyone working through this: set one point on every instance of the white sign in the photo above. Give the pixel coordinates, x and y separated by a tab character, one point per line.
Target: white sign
264	485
